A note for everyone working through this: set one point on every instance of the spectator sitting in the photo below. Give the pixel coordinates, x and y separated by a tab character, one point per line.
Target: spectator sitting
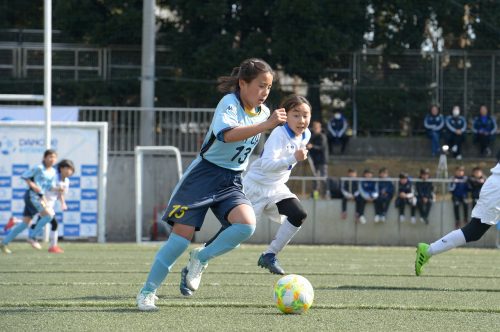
484	128
475	183
459	190
434	123
456	125
348	188
367	192
424	191
385	193
318	151
337	132
405	197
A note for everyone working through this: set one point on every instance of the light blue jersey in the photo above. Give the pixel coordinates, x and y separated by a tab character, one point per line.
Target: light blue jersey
230	114
44	178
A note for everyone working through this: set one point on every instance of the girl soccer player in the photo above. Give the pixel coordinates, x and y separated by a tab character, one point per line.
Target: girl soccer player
485	214
40	180
213	180
264	184
65	169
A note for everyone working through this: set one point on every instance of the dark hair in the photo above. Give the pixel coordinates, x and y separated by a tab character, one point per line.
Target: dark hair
293	101
65	163
477	168
351	170
47	153
366	171
382	170
248	70
424	171
403	175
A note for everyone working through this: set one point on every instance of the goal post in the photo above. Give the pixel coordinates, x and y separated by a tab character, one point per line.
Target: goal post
140	151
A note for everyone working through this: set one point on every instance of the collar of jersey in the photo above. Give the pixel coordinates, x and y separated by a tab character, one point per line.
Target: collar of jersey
291	133
249	113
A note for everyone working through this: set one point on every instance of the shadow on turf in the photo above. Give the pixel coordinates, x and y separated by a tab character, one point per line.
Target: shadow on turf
411	289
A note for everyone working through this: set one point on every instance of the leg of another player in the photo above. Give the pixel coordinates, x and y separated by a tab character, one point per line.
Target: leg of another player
54	235
165	258
13	234
242	219
295	213
471	232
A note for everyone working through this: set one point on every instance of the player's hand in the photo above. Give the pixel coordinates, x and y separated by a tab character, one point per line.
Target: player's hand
64	207
301	154
277	118
309	146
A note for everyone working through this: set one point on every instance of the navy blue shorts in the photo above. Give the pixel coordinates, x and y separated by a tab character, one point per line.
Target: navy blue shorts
32	204
203	186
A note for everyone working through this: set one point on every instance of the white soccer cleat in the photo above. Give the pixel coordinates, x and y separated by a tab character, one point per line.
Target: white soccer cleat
34	244
402	218
195	270
146	301
413	220
362	220
377	218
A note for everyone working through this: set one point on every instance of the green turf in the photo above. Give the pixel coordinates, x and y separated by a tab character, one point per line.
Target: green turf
93	287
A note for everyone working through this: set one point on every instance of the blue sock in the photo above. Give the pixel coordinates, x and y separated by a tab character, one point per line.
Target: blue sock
164	260
15	232
229	239
39	225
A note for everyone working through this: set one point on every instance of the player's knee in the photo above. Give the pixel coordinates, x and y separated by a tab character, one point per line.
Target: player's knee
53	224
298	217
474	230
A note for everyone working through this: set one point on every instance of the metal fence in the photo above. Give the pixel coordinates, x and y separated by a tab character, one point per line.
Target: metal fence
184	128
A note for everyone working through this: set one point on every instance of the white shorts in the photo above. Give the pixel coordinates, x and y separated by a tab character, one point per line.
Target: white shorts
488	206
264	198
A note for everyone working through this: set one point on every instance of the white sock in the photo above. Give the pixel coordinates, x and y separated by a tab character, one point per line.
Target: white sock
53	238
284	234
449	241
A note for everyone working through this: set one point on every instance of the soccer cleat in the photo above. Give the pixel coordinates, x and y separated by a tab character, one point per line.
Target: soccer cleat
195	269
34	244
146	301
10	224
182	286
56	250
5	249
422	257
377	218
270	262
402	218
413	220
362	220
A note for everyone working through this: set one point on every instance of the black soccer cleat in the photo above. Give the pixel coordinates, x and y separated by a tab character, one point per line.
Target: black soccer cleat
270	262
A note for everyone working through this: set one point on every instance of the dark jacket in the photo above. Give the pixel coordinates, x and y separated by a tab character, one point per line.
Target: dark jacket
459	189
484	125
434	122
337	127
319	149
456	122
385	189
424	190
475	186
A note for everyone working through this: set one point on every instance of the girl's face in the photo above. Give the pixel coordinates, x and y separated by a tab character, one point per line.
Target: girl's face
298	118
66	172
255	93
50	160
403	180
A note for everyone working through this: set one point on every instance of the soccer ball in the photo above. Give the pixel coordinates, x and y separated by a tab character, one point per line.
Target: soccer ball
293	294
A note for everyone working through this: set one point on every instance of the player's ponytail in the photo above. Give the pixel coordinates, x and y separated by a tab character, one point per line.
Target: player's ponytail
247	71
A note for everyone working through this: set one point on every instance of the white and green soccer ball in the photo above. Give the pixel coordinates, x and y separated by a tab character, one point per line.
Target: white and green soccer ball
293	294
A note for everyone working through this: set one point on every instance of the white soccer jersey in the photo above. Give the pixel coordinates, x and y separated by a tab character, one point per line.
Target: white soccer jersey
62	186
488	206
277	160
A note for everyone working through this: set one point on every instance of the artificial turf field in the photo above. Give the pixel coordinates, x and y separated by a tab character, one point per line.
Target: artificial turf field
93	287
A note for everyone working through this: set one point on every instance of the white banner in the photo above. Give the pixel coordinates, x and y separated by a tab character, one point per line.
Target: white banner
37	113
22	148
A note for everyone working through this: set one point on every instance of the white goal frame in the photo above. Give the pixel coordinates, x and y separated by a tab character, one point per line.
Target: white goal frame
139	162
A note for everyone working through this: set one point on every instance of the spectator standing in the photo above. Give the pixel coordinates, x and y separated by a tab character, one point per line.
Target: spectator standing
459	190
484	128
318	151
424	191
337	132
406	196
385	193
434	123
367	192
456	126
348	189
475	183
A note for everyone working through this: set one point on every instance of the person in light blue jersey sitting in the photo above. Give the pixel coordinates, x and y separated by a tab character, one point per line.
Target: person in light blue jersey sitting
40	180
213	180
